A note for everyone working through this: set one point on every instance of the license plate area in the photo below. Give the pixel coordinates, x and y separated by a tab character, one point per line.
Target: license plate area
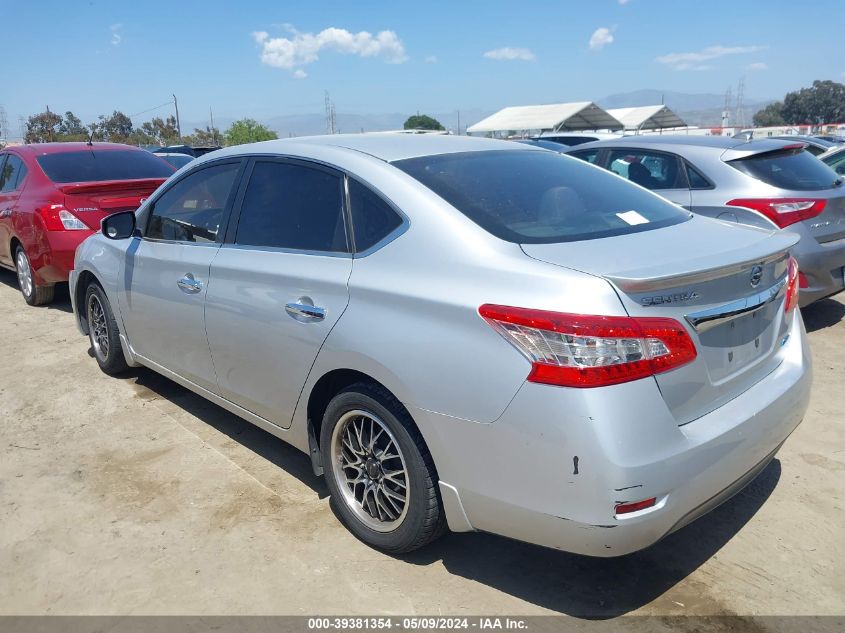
740	343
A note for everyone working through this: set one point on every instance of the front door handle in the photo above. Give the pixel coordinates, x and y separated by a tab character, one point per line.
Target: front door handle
5	213
189	285
305	312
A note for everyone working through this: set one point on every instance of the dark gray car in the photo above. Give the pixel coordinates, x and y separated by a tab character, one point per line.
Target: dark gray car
765	183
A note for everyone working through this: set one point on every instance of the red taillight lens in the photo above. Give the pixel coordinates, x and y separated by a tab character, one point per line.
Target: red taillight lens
577	350
792	283
783	211
627	508
57	218
802	280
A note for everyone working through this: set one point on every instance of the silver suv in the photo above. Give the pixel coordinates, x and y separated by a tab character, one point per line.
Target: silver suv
462	332
772	184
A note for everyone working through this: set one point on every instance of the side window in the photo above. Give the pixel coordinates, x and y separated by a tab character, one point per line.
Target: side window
13	173
287	205
372	217
838	163
697	179
652	170
589	155
193	210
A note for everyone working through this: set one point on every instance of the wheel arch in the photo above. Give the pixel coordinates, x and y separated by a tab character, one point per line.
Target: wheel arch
83	281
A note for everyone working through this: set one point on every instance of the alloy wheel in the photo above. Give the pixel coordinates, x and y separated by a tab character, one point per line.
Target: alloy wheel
24	273
98	328
370	470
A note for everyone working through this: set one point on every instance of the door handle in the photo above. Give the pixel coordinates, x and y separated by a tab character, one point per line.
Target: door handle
189	285
5	213
305	311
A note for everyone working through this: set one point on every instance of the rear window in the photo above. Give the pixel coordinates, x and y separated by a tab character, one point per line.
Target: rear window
90	166
540	197
795	169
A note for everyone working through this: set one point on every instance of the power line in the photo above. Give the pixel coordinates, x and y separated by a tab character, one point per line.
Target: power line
167	103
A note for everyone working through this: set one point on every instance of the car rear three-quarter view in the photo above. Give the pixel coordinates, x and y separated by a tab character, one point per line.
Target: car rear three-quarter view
463	332
53	196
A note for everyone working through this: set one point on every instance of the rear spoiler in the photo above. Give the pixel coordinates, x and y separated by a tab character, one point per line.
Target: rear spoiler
755	149
104	186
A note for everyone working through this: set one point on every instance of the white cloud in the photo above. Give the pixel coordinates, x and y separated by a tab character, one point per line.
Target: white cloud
116	38
600	38
431	59
301	49
510	53
693	61
299	74
757	66
624	1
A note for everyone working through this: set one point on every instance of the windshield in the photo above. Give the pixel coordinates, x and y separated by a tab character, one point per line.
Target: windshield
91	166
792	169
540	197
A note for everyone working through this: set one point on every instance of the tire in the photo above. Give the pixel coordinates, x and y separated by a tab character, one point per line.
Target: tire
33	294
103	332
384	522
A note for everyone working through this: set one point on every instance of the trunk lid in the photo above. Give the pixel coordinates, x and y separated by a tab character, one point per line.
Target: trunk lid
93	201
699	273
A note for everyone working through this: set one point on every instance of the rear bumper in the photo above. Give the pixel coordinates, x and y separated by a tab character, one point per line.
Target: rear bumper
53	259
552	468
824	267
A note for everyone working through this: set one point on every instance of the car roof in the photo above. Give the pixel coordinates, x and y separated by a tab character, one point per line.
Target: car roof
40	149
386	147
669	141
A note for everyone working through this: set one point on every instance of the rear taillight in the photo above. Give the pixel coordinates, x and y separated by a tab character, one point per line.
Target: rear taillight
576	350
792	283
783	211
57	218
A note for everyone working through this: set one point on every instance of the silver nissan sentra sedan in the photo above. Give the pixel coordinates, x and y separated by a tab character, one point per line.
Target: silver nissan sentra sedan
462	332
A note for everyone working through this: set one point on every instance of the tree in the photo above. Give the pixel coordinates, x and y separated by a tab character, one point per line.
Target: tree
770	116
116	128
72	128
158	131
43	127
248	131
823	102
422	122
207	137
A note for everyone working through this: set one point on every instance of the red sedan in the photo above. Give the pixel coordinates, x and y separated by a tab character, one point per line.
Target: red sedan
53	196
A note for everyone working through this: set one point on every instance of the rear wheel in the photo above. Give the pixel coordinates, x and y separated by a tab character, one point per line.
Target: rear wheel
103	332
378	469
33	294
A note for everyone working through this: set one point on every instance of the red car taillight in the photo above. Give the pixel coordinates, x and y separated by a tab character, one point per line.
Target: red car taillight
57	218
792	283
577	350
783	211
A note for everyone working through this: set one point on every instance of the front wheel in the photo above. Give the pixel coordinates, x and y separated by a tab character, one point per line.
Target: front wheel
379	472
33	294
103	332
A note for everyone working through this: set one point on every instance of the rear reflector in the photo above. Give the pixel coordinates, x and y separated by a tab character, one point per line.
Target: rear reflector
802	280
627	508
578	350
792	283
783	211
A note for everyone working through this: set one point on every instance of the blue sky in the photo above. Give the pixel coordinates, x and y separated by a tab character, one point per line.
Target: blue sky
262	59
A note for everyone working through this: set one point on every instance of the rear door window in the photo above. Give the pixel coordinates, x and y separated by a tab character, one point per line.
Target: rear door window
652	170
793	169
696	179
372	218
293	206
194	208
12	174
94	165
540	197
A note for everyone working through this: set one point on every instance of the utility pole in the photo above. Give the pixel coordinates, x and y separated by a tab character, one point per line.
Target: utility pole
459	122
178	127
331	115
22	124
213	133
740	95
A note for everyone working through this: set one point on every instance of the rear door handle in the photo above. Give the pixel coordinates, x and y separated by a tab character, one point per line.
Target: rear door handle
305	312
189	285
5	213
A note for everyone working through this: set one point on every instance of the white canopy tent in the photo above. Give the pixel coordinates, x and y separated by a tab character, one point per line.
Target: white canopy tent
581	115
647	117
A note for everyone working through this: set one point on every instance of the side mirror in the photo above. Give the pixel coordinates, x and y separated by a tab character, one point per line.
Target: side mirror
119	226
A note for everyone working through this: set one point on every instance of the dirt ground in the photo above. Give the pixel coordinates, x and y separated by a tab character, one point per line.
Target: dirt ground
134	496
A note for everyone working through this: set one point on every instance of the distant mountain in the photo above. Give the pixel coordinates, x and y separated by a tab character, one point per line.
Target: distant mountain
696	109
